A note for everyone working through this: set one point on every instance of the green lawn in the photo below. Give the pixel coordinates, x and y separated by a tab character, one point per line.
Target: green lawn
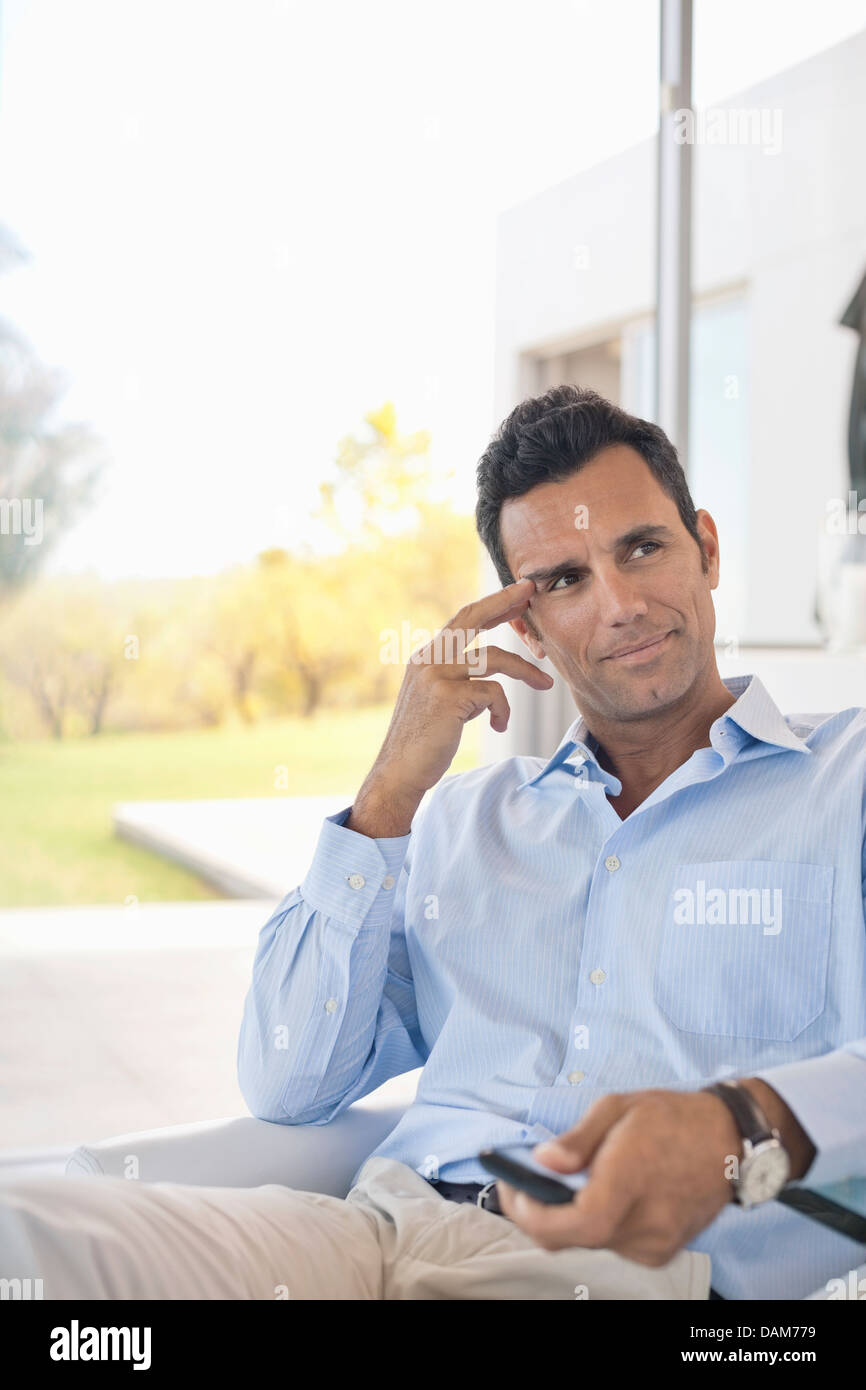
58	846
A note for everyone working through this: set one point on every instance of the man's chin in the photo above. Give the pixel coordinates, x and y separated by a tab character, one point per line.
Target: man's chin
640	694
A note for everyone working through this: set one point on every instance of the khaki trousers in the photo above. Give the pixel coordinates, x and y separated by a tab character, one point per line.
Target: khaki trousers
392	1237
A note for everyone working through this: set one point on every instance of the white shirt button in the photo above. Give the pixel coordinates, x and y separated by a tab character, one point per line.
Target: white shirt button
331	1006
611	863
388	881
575	1077
597	976
356	880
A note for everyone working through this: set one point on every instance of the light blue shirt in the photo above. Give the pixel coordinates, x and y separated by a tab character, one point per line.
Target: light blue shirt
533	951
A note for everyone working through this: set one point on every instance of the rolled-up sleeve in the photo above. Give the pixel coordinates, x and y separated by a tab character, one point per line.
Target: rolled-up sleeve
331	1010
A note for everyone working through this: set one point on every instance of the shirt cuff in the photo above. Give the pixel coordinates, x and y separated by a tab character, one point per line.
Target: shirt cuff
350	871
828	1096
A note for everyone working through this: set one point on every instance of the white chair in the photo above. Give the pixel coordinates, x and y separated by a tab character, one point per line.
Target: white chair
243	1151
240	1151
246	1152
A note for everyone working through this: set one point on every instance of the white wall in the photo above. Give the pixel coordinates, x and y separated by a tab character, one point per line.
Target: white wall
790	228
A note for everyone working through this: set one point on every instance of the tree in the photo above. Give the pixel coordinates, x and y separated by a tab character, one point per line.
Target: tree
48	469
174	680
232	632
420	555
380	482
309	640
62	643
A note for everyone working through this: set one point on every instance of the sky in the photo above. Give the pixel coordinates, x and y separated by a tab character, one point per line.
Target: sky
249	224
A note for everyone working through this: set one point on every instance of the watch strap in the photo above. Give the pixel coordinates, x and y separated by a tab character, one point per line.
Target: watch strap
748	1114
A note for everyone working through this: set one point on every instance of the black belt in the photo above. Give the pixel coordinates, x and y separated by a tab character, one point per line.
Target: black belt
489	1201
482	1194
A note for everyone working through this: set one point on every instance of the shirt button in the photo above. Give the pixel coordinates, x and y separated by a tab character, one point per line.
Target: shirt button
388	881
356	880
611	863
575	1077
331	1006
597	976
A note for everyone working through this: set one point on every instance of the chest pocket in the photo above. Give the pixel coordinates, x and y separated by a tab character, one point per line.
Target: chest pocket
744	948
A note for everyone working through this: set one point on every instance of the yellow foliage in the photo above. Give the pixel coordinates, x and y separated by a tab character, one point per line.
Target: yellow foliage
384	420
283	633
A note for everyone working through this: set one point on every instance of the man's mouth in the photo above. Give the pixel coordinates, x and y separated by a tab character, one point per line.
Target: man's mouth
646	650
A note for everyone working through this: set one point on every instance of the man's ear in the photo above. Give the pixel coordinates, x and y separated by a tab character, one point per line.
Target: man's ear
529	637
710	545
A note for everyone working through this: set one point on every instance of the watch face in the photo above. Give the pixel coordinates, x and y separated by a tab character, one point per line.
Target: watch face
764	1173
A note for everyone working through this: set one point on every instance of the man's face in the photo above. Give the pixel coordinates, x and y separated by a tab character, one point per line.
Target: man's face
626	575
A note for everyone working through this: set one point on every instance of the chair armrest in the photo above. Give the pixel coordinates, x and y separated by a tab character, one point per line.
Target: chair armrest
243	1151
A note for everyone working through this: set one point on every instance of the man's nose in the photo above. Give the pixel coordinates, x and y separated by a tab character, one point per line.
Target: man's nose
619	597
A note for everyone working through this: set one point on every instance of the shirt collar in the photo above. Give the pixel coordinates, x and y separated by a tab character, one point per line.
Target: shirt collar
753	713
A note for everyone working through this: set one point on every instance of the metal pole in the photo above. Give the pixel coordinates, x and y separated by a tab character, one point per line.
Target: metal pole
674	224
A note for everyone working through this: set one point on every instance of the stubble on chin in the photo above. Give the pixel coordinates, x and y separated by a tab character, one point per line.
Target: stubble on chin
636	698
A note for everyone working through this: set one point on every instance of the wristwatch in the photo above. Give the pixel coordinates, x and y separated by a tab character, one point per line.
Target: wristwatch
765	1166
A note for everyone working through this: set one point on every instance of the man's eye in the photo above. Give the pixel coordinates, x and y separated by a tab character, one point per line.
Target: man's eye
575	577
571	575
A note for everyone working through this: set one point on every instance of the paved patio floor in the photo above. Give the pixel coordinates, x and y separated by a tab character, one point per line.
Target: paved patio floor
119	1019
125	1018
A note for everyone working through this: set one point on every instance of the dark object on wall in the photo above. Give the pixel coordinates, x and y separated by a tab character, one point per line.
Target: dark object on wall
855	317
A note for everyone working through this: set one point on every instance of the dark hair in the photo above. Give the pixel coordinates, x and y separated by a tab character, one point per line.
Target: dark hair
547	438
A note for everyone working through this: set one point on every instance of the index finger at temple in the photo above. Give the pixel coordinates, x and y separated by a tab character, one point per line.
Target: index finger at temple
493	609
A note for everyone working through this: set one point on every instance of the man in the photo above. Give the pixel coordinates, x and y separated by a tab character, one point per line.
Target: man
573	947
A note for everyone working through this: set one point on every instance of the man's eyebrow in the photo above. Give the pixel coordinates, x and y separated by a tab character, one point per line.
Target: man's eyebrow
635	533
